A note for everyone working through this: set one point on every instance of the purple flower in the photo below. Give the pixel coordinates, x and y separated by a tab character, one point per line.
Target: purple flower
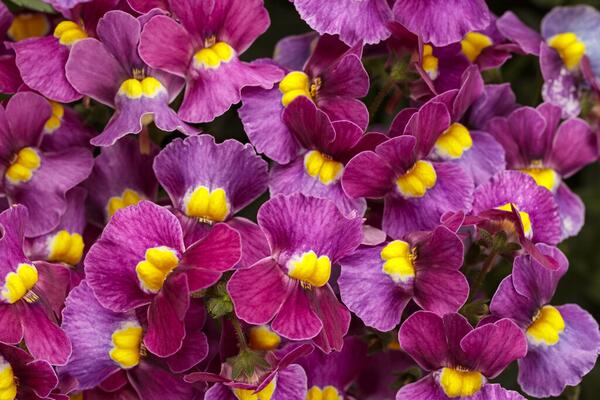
64	129
39	180
538	144
461	359
307	237
31	295
564	341
141	259
204	48
109	70
323	149
354	21
376	283
208	183
107	345
496	100
23	377
333	78
442	23
416	192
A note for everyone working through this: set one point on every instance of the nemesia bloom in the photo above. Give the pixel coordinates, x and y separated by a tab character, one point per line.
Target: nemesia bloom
324	147
376	283
109	70
209	182
64	129
333	78
141	259
563	341
203	47
307	237
461	359
37	179
31	295
539	144
496	100
110	344
416	192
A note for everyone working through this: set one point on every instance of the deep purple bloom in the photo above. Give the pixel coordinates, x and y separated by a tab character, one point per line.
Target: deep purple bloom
204	48
141	259
461	359
307	237
496	100
537	143
31	295
564	341
333	77
376	283
109	70
39	180
210	182
416	192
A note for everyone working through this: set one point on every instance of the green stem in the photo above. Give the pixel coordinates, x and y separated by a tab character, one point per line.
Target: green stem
485	269
239	332
376	103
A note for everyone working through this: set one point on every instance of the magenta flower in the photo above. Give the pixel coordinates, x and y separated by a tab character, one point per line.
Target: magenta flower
141	259
203	47
307	237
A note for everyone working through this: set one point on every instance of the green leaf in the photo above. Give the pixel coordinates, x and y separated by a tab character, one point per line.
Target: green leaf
247	364
37	5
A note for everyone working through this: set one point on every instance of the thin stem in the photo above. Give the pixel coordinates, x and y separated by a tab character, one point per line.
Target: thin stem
376	103
145	140
239	332
485	269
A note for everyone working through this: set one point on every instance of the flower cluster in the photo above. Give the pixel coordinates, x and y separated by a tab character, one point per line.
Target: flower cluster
343	252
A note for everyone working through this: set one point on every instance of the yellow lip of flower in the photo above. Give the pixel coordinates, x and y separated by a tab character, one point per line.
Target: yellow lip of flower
28	25
418	180
55	121
25	164
569	47
474	43
212	56
206	205
524	217
152	272
546	326
263	338
430	63
459	382
454	141
66	247
69	33
128	198
321	167
8	382
296	84
398	261
126	341
148	87
18	284
325	393
310	269
545	177
248	394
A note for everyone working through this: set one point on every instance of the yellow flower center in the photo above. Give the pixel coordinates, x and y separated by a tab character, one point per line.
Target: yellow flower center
26	163
474	43
54	122
454	141
523	216
211	57
326	393
136	88
418	180
126	349
248	394
263	338
8	383
208	206
129	198
296	84
68	33
320	166
66	247
430	62
545	177
25	26
159	263
457	382
18	284
398	261
570	49
546	327
310	269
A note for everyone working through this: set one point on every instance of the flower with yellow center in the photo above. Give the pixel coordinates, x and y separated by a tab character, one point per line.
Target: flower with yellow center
296	84
25	164
454	141
569	47
545	177
325	393
523	216
263	338
28	25
248	394
320	166
430	62
126	349
212	56
398	261
418	180
55	121
546	327
206	205
153	270
8	383
458	382
129	198
18	284
136	88
310	269
473	45
66	247
69	33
